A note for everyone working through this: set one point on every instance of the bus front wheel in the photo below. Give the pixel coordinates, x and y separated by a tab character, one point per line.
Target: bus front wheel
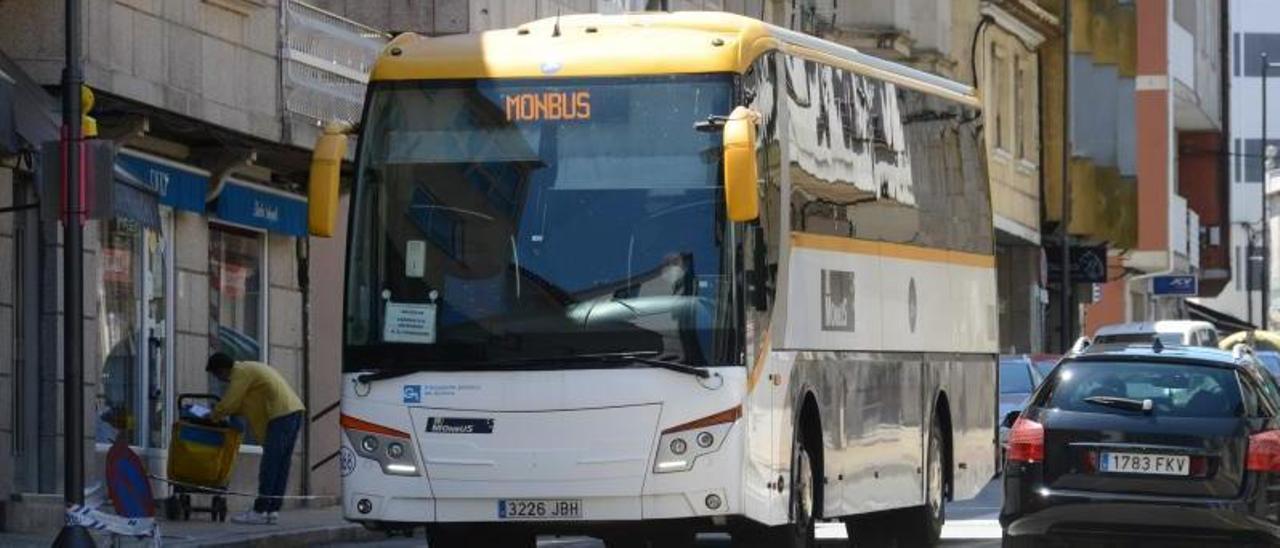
804	497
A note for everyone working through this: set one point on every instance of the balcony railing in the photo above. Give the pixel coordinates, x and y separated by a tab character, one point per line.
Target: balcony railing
327	60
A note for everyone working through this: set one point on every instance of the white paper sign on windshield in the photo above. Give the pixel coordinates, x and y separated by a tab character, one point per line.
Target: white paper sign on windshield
415	258
409	323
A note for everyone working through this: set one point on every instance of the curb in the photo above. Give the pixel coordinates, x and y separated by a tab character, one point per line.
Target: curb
285	539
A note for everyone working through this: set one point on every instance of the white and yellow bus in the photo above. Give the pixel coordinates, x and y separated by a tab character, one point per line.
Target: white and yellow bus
646	275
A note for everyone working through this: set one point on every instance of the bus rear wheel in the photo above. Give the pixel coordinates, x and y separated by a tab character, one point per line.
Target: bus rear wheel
922	525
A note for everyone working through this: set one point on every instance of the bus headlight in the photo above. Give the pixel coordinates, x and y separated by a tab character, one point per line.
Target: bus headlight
678	446
677	454
398	459
395	450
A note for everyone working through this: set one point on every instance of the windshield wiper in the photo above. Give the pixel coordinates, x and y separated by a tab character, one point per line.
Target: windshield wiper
646	358
384	375
1121	403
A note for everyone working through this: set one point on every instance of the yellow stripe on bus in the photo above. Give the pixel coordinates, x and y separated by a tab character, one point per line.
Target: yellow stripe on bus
758	367
841	244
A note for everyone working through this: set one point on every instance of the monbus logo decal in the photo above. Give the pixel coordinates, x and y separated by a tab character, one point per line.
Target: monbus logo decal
837	300
448	425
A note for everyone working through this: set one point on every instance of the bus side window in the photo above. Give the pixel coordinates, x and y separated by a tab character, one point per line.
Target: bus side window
762	238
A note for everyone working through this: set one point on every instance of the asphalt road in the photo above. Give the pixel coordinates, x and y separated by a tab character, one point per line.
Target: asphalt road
970	524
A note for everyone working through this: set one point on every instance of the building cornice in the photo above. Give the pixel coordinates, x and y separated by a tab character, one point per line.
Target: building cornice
1010	22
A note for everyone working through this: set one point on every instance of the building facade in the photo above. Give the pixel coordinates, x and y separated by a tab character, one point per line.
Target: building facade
1254	30
1146	176
210	107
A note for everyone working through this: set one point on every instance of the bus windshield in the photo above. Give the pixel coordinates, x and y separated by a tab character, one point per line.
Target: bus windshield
521	221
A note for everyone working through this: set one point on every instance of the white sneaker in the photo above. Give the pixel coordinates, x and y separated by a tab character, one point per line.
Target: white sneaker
273	517
249	517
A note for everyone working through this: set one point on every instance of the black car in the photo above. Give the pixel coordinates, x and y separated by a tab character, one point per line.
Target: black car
1132	444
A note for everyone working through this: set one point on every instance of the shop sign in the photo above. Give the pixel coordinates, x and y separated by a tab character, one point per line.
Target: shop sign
233	281
116	265
1175	286
262	207
1088	264
178	187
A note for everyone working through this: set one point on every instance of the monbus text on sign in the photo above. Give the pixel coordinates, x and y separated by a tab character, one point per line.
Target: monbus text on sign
548	105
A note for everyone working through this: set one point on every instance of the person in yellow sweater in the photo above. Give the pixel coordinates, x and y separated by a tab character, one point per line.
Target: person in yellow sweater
258	393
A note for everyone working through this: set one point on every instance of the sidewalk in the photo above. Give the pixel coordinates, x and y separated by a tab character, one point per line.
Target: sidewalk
297	528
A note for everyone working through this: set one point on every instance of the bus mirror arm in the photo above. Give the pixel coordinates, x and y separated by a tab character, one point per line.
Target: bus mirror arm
325	178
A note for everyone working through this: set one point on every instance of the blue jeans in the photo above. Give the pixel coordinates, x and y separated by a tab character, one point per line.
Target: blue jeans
277	451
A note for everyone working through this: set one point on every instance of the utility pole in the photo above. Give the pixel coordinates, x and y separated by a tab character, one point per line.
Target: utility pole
1265	309
73	281
1065	225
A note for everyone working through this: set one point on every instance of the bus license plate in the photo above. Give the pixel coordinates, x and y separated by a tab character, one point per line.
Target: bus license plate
1145	463
535	509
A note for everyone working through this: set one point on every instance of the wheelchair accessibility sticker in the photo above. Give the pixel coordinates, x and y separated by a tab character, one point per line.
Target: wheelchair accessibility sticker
346	461
413	393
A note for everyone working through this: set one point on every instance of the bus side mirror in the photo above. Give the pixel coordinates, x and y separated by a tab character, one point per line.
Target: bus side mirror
740	180
322	185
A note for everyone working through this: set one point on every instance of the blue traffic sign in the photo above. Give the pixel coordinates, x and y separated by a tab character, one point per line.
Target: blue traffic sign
1175	286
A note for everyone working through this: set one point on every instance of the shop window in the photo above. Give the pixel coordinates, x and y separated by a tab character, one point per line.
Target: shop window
237	282
132	312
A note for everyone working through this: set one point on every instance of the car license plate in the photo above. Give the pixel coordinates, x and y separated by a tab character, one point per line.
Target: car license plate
1145	463
536	509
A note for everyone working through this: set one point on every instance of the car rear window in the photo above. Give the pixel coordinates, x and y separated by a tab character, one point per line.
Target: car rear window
1180	390
1169	339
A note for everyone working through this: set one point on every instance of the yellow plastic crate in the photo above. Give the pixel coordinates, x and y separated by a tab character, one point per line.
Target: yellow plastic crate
202	455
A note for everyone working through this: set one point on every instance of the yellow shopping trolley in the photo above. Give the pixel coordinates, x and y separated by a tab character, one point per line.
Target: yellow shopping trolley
201	456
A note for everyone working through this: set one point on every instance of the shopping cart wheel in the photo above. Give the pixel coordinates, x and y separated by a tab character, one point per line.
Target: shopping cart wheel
185	501
172	508
219	508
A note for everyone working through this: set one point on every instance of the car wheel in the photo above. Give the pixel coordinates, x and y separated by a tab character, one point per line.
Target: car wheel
922	525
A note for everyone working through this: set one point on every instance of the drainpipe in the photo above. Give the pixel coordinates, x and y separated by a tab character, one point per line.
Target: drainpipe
304	283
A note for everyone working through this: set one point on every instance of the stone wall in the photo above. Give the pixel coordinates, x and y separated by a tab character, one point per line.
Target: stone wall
212	60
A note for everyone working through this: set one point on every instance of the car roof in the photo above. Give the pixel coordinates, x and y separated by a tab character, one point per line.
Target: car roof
1146	352
1161	326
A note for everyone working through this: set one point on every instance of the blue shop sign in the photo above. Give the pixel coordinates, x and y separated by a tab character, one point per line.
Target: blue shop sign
266	208
1175	286
178	187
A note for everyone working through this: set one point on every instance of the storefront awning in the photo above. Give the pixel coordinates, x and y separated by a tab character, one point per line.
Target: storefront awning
262	207
134	199
1223	322
178	186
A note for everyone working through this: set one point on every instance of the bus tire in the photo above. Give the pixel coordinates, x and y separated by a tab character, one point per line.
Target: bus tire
922	525
804	498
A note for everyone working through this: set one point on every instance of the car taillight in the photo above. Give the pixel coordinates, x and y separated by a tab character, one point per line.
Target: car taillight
1264	452
1026	441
